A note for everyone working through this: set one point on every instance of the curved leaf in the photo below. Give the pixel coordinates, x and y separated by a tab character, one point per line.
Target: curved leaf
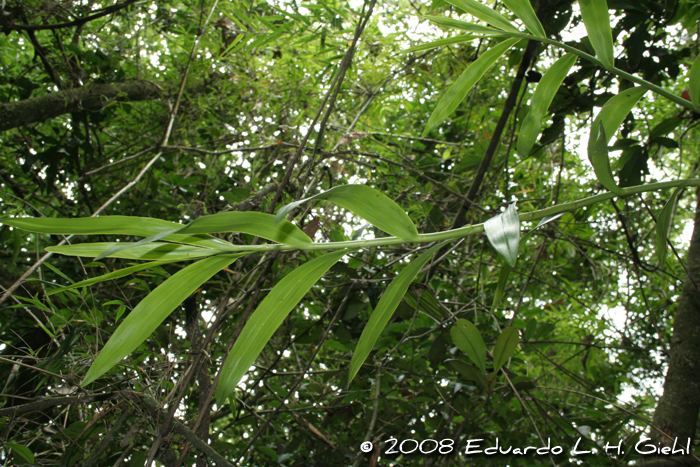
111	225
267	318
503	232
152	310
502	281
541	99
370	204
505	347
252	223
149	251
110	276
484	13
613	114
694	84
468	339
663	225
385	309
464	26
597	21
601	162
459	89
468	372
523	10
440	43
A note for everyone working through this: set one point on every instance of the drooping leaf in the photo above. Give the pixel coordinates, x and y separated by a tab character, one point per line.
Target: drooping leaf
694	84
523	10
459	89
663	225
111	225
664	127
503	232
597	21
468	372
485	14
125	245
440	43
505	347
20	450
110	276
385	309
541	99
613	114
451	23
152	310
600	161
150	251
502	281
267	318
468	339
366	202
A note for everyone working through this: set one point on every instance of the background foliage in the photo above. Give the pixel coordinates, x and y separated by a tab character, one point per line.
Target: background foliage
596	312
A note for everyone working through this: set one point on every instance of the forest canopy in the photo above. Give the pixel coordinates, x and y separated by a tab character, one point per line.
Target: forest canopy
331	233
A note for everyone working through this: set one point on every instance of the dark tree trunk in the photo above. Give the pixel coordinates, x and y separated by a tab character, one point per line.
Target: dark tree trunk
676	414
93	97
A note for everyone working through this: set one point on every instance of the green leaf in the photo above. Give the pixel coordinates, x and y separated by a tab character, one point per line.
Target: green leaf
152	310
539	104
505	347
366	202
503	232
502	281
440	43
265	320
459	89
614	113
597	21
22	451
110	276
600	161
663	224
464	26
694	84
664	127
468	372
385	309
150	251
484	13
523	10
111	225
468	339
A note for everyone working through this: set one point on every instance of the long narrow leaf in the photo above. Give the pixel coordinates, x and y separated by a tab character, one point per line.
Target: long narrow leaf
253	223
694	85
459	89
597	21
152	310
468	339
110	276
541	99
485	14
464	26
600	161
440	43
110	225
500	288
150	251
614	113
267	318
523	10
503	232
370	204
385	309
663	225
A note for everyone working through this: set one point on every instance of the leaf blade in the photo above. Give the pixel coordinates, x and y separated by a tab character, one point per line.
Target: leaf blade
252	223
149	251
663	225
468	339
540	102
385	309
503	232
484	13
459	89
598	156
523	10
597	21
268	316
152	310
505	347
366	202
440	43
694	83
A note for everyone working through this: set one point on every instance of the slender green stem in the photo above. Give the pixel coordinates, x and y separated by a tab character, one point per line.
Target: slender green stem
470	229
